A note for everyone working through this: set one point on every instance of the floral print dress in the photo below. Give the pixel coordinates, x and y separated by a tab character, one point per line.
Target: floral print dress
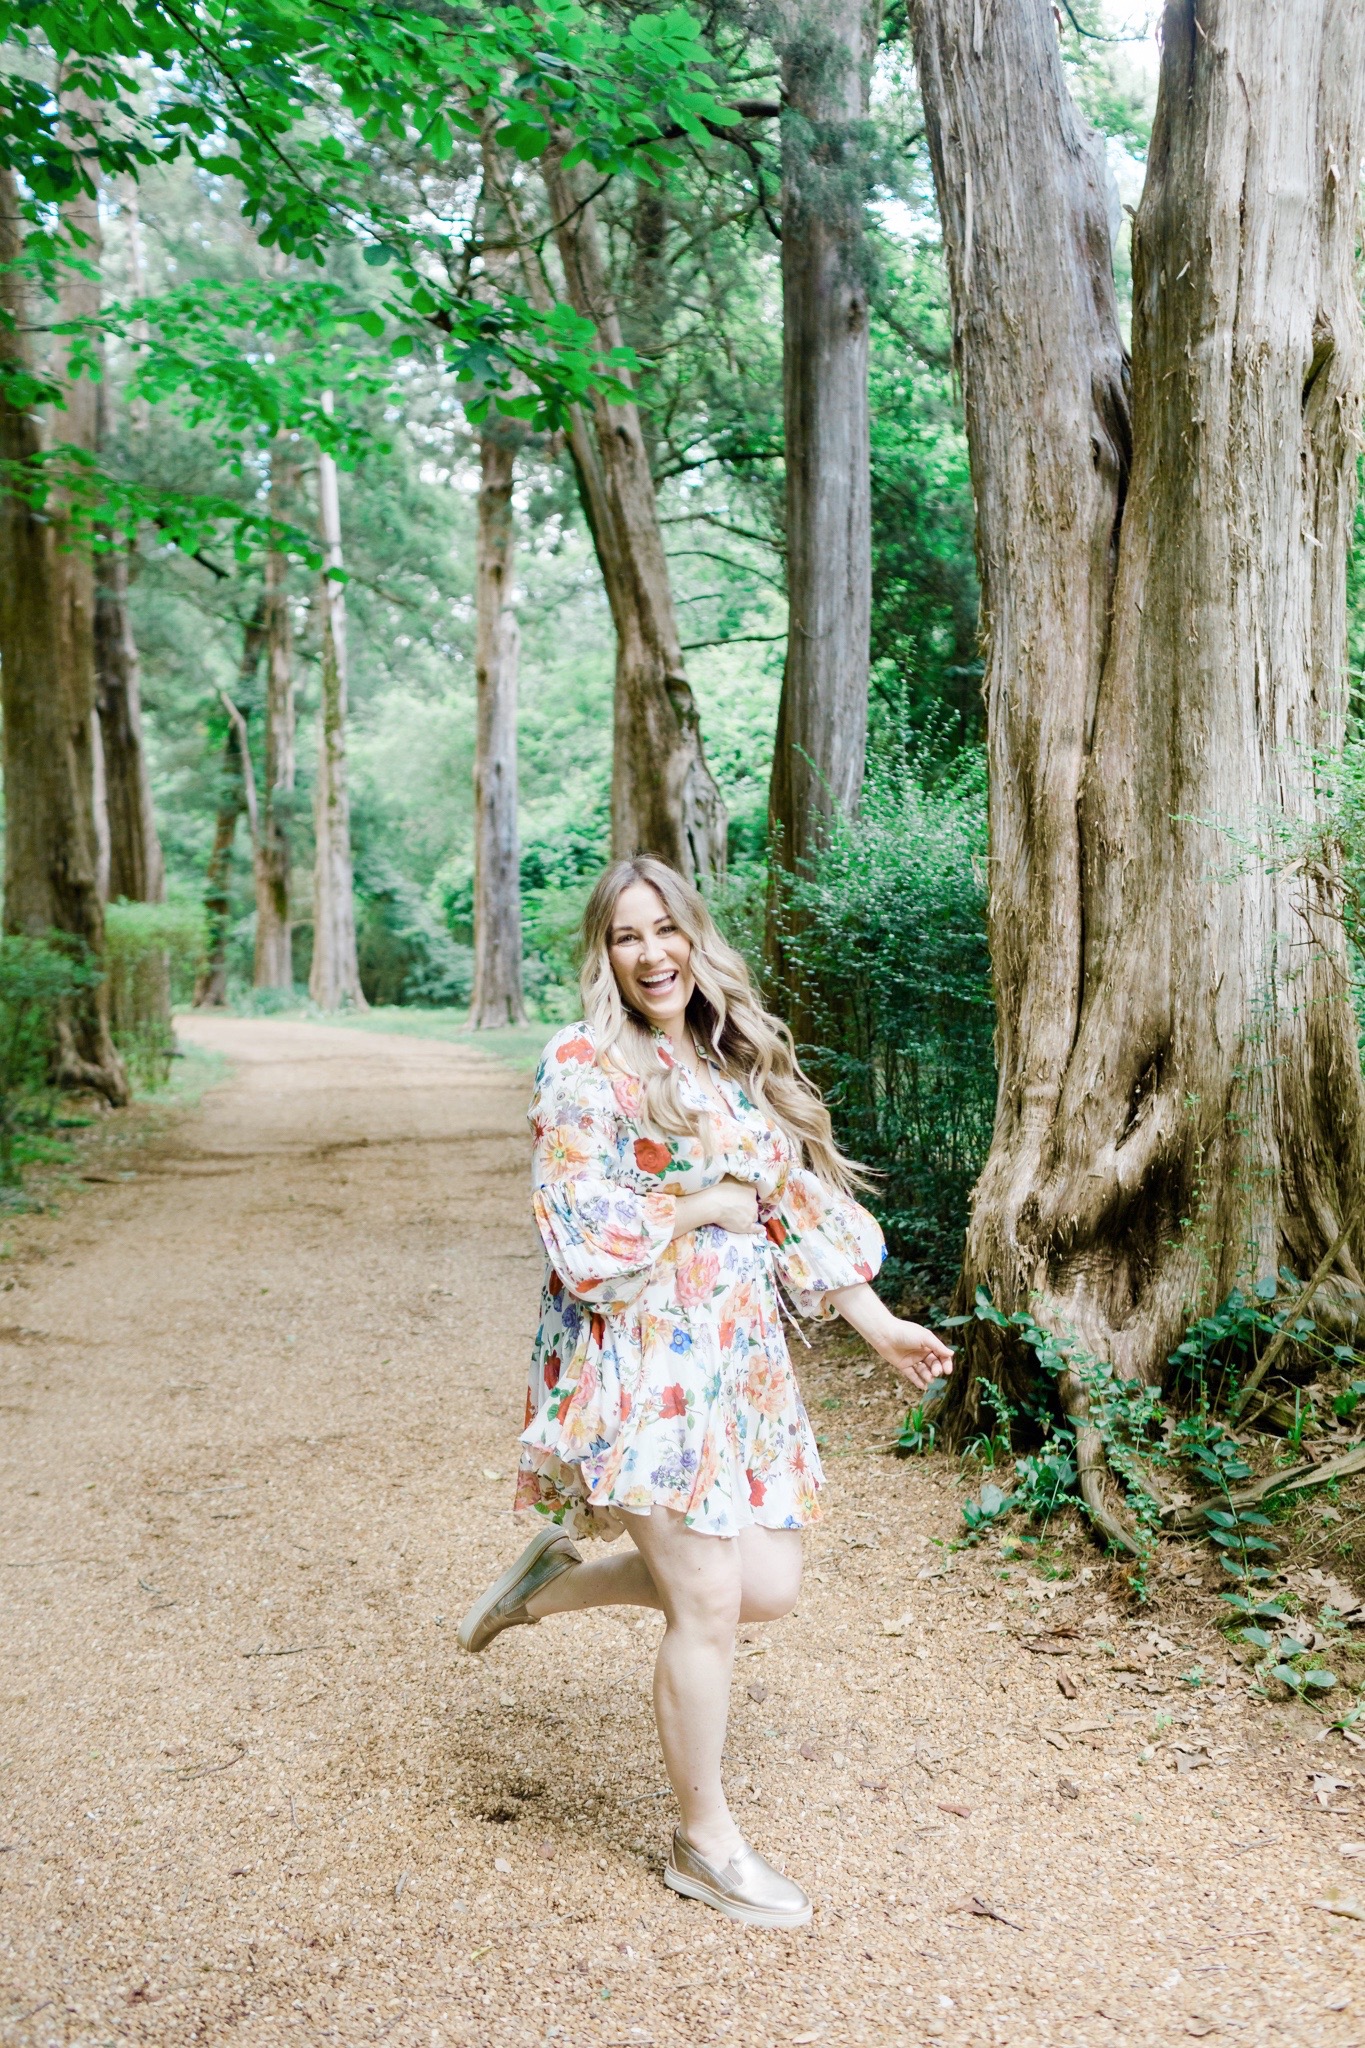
660	1373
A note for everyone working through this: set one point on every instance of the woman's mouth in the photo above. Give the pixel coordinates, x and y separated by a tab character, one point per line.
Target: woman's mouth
658	984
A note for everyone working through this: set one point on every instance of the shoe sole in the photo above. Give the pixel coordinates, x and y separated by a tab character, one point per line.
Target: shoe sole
753	1916
483	1606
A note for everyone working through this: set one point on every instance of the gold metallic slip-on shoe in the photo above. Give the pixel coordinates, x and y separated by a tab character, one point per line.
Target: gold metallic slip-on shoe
503	1604
748	1888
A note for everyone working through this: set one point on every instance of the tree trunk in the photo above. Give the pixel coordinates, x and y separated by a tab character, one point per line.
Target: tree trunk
1180	1103
47	704
664	799
236	786
497	867
136	870
818	754
334	980
274	961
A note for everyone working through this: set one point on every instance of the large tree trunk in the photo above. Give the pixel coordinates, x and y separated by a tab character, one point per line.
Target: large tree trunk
1180	1099
47	700
274	959
334	979
497	868
664	799
818	754
236	793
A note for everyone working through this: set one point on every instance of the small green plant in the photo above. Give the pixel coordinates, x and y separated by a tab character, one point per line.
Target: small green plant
982	1515
917	1433
992	1446
1344	1405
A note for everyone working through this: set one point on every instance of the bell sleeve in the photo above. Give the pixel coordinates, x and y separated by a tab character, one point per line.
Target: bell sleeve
822	1240
603	1229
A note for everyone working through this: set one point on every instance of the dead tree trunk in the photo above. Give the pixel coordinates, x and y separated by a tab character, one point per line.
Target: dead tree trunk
334	979
47	704
664	799
274	961
236	785
821	740
497	995
1180	1099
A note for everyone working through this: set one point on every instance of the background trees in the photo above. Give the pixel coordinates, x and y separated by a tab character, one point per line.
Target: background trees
764	331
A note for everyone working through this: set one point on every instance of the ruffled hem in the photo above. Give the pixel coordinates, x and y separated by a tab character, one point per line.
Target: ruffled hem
550	1484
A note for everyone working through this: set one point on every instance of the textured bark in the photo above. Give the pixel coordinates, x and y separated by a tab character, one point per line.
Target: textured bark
334	978
136	869
234	787
274	964
664	799
497	995
47	699
1180	1099
821	740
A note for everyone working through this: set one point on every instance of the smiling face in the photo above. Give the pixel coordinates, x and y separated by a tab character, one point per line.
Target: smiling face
650	957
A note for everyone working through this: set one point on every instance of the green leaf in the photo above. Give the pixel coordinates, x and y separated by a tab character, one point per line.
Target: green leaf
1321	1681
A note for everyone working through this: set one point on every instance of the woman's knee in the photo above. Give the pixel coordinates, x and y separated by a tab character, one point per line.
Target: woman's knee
699	1579
771	1576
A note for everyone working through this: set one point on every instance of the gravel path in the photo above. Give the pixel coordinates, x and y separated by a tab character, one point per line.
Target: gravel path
257	1409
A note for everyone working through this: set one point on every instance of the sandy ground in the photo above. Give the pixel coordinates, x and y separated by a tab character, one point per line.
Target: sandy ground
258	1405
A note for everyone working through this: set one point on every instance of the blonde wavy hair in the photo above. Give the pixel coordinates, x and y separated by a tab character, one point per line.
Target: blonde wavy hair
748	1044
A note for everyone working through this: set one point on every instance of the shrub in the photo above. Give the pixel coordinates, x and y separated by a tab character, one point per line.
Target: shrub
152	951
37	977
888	943
405	953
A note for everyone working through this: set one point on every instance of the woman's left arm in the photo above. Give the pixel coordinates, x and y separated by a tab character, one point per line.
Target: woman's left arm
908	1348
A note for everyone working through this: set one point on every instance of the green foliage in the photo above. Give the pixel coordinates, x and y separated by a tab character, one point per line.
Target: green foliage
889	945
406	955
37	978
151	952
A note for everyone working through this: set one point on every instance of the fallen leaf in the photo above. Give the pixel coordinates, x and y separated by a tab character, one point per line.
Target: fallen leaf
962	1812
808	1751
758	1693
1056	1643
1324	1785
1068	1788
1348	1909
896	1627
1067	1686
501	1863
1351	1848
982	1912
1199	2026
489	1473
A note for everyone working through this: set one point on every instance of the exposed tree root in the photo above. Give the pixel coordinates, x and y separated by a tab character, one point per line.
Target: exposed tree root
1293	1479
73	1070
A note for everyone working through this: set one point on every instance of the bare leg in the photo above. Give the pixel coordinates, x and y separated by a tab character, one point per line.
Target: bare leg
698	1581
620	1579
770	1572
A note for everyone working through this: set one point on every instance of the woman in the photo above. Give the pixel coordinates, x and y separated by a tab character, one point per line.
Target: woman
683	1166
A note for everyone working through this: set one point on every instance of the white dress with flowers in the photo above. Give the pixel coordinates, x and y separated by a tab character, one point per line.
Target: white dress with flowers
660	1374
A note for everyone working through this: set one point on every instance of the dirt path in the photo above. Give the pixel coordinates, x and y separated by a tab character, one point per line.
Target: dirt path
257	1408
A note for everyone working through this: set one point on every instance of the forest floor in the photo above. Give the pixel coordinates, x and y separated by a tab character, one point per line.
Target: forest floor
260	1383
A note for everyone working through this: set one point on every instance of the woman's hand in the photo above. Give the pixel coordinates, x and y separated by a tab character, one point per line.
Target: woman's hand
908	1348
731	1205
